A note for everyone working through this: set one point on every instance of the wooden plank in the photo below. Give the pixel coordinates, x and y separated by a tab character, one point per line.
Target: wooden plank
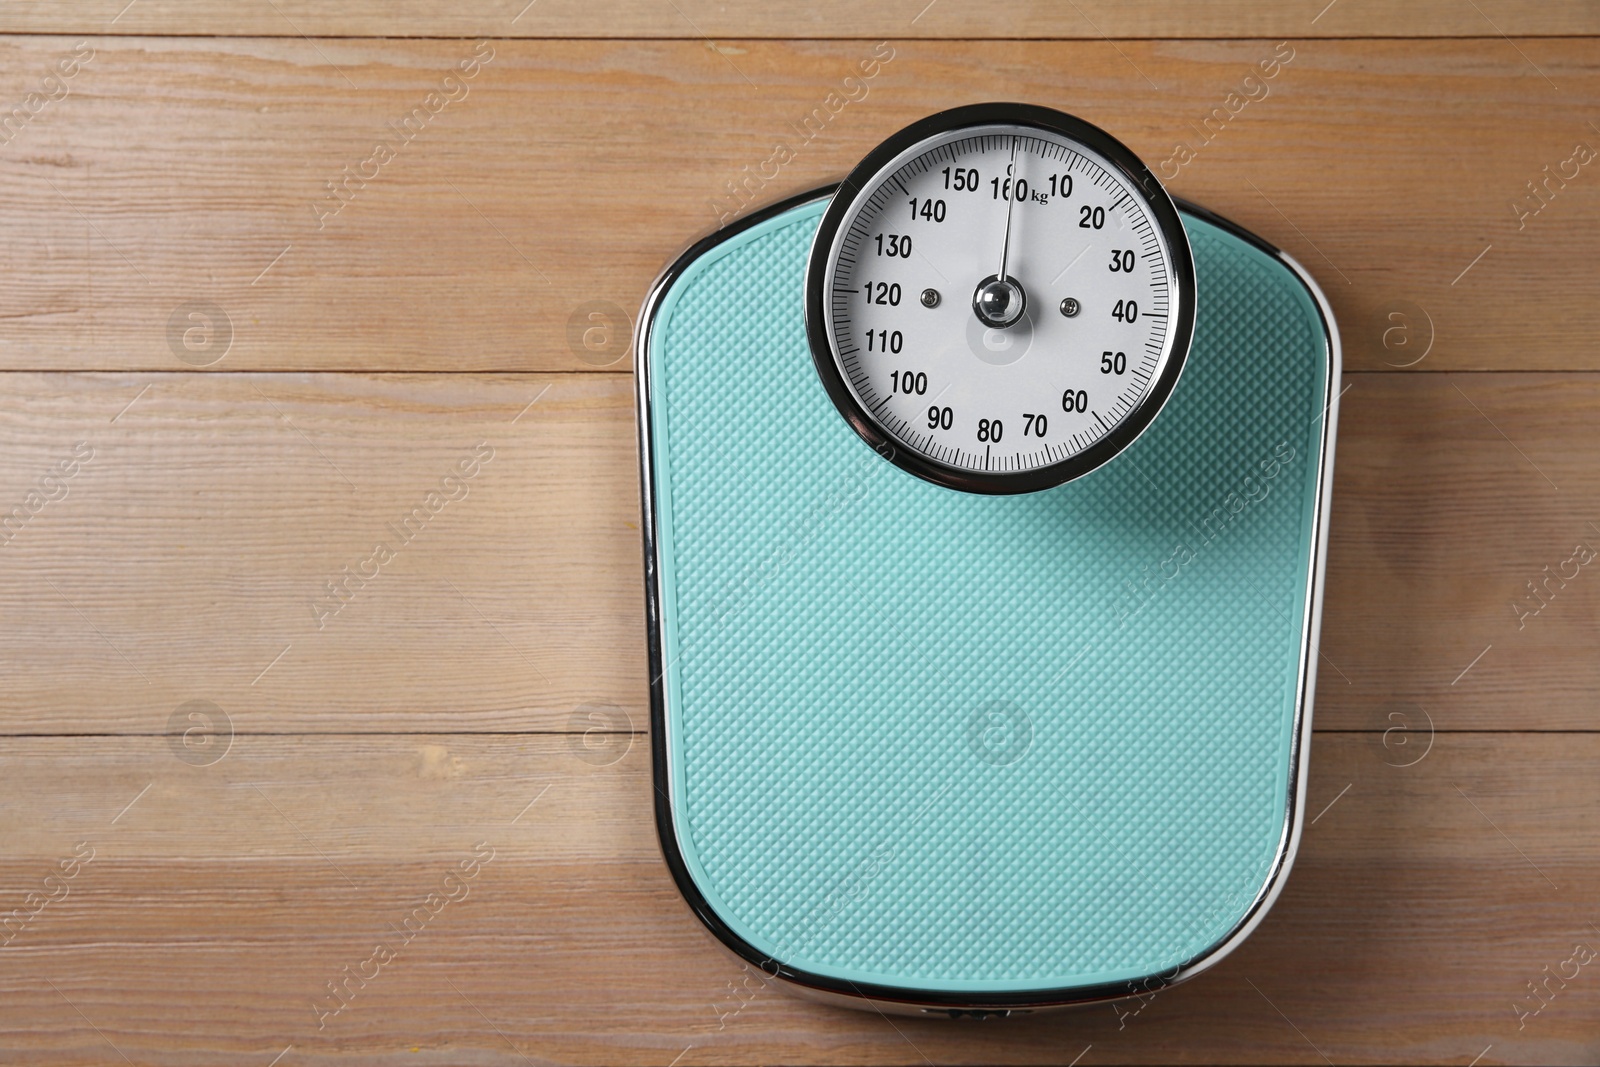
190	556
1452	493
218	906
1090	19
178	177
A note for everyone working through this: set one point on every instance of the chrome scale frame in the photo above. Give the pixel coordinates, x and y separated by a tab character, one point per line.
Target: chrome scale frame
906	1001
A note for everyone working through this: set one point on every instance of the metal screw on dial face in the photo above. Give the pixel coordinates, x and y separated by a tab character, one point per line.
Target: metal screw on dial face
930	298
1069	307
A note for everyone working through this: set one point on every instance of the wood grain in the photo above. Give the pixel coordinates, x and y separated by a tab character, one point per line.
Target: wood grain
226	897
185	170
190	556
250	398
1451	494
1092	19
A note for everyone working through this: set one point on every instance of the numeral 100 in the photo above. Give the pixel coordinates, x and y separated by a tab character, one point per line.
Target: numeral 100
905	381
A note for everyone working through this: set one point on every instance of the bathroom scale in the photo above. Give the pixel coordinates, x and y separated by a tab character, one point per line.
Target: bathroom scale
985	504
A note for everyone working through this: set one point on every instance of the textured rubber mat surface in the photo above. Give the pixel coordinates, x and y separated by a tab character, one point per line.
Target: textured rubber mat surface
941	741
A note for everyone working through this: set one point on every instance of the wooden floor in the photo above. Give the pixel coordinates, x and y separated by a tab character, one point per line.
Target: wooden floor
238	342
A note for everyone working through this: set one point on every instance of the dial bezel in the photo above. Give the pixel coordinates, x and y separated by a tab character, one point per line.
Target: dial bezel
864	180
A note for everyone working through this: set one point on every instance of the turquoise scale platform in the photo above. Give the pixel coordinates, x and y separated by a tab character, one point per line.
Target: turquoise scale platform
949	749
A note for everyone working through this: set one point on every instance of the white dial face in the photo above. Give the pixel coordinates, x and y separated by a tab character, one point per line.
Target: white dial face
968	383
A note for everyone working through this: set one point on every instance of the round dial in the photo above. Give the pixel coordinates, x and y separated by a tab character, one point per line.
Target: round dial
1000	298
